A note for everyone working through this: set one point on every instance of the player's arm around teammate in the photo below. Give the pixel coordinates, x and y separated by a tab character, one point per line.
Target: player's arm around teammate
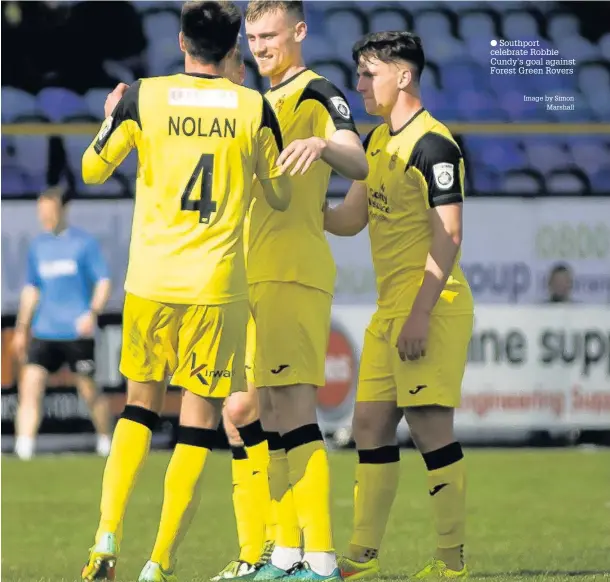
415	347
61	317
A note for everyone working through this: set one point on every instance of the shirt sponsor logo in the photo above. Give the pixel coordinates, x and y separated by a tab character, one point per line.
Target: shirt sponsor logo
203	98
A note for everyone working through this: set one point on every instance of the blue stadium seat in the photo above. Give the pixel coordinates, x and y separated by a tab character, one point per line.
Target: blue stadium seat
389	18
356	104
520	24
593	77
318	47
577	48
75	146
500	153
336	72
478	24
476	105
32	157
439	104
482	178
570	182
434	24
17	103
600	181
459	74
15	181
344	25
161	29
604	46
590	153
600	105
523	181
547	154
58	104
95	100
562	24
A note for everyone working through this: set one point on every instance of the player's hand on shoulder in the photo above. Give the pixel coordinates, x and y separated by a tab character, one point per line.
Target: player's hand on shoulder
300	154
86	324
413	337
114	97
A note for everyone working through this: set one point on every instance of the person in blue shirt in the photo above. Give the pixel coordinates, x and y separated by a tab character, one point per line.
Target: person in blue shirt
67	286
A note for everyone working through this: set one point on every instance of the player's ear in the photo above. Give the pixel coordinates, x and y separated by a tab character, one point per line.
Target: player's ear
405	76
181	41
300	31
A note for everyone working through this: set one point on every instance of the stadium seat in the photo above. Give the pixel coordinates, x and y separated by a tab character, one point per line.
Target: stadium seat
501	153
57	104
600	182
336	72
352	24
592	154
473	105
317	48
523	181
388	18
74	147
459	74
15	181
604	46
577	48
546	154
593	77
520	24
570	182
161	29
562	24
478	24
253	79
481	178
32	157
434	24
95	100
17	103
600	104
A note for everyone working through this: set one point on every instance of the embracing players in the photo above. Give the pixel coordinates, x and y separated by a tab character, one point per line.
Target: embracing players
415	347
200	140
291	274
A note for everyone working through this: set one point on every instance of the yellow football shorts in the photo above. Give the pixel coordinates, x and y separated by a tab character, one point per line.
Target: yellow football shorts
435	379
287	334
202	347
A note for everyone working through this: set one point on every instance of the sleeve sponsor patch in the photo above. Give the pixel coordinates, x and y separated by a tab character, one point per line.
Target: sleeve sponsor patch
443	175
341	106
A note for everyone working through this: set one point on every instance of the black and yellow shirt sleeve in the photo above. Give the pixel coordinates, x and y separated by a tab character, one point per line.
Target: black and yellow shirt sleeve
440	163
331	111
118	135
270	144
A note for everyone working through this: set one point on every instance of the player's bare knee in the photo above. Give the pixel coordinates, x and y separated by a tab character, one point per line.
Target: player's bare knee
431	427
199	412
32	385
148	395
87	389
294	406
374	424
241	408
230	429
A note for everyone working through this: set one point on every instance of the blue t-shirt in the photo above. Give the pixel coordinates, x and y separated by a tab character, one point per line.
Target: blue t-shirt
65	269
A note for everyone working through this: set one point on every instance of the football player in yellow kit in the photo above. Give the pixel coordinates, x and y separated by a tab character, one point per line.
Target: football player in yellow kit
415	347
291	274
200	140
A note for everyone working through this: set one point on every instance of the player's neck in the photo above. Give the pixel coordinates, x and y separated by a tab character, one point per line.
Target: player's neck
290	72
403	112
61	227
193	66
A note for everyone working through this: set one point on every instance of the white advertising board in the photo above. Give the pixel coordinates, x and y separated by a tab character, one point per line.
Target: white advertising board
529	368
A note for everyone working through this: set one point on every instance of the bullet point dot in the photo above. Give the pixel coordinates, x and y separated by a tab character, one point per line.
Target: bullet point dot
493	43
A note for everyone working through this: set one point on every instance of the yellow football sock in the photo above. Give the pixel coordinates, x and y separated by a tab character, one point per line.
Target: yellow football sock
257	449
182	491
447	488
377	476
287	533
130	446
310	479
249	520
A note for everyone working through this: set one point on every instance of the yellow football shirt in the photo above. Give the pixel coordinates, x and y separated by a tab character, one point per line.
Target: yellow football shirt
291	246
411	170
200	139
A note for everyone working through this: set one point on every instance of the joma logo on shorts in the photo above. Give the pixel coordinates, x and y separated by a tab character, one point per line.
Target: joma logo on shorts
202	372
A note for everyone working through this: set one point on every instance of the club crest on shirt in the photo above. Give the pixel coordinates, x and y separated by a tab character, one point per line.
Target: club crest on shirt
443	175
279	104
341	106
393	160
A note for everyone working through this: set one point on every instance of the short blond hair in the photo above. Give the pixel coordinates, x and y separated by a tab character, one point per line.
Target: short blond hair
258	8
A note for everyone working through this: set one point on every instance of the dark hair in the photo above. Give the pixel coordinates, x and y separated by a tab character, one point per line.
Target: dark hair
210	29
257	8
391	46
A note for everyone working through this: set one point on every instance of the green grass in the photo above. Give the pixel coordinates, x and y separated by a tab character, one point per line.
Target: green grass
532	515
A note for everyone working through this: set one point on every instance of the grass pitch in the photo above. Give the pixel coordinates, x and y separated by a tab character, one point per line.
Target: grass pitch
533	515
